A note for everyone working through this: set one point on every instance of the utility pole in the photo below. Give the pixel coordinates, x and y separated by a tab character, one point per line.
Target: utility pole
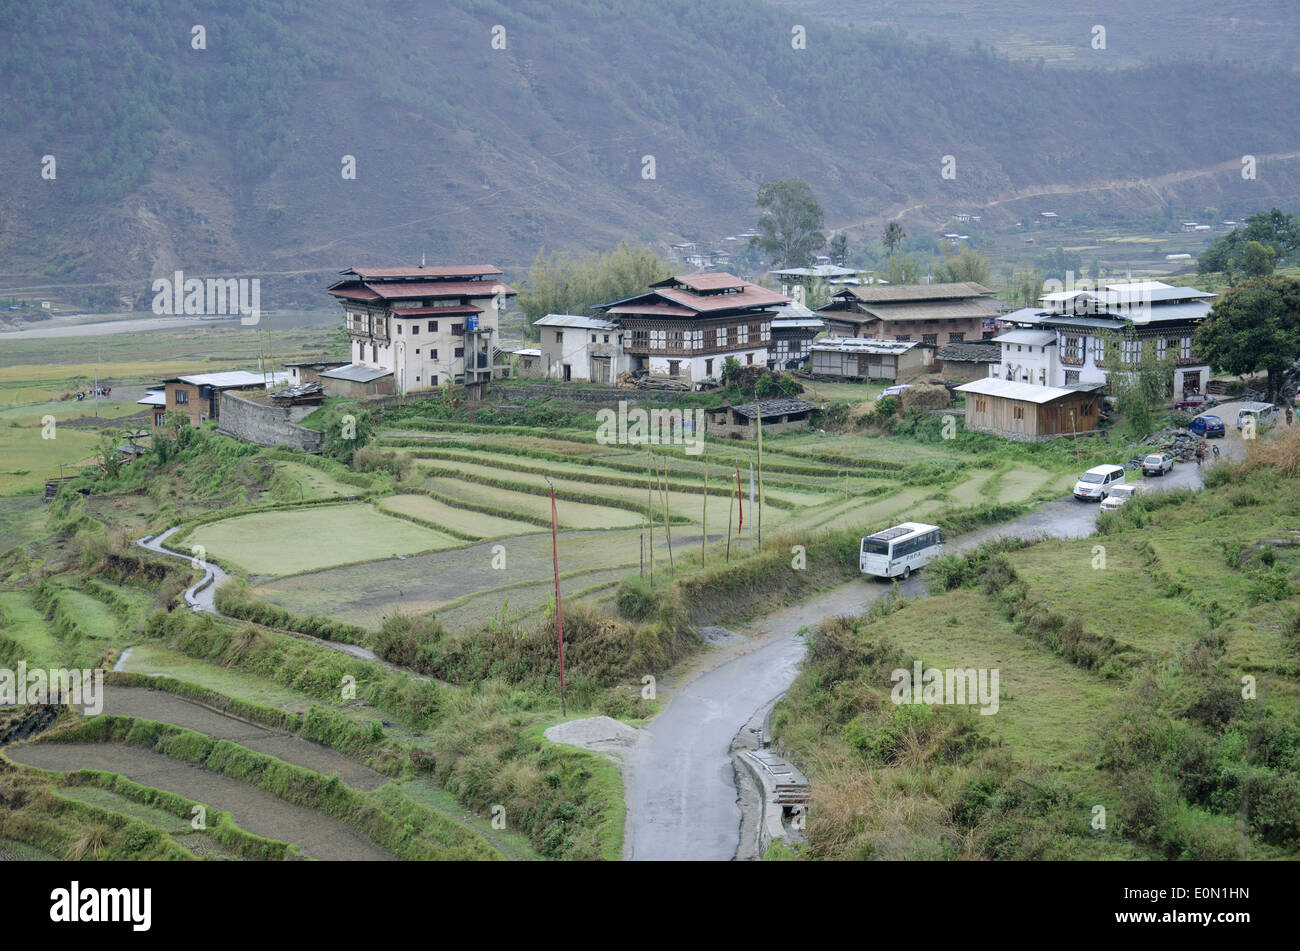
559	612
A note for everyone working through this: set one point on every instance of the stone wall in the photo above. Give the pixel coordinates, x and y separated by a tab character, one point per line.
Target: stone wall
265	425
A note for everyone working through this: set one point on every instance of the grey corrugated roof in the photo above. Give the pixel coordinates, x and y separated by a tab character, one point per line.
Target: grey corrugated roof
575	320
357	373
1034	338
971	352
232	379
862	345
774	407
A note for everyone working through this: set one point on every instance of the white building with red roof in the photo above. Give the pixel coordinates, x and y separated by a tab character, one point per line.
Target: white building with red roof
686	326
427	326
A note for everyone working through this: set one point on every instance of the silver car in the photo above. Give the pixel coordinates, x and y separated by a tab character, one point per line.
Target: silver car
1158	463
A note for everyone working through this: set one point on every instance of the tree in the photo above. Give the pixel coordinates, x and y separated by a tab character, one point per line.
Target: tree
1140	387
904	268
1254	326
893	237
1273	231
1257	259
790	227
840	250
970	265
561	284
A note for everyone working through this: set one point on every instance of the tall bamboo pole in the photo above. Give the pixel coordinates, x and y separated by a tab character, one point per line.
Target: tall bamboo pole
758	410
668	532
649	514
704	509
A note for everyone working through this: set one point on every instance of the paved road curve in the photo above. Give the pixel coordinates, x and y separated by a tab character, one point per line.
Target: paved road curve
679	779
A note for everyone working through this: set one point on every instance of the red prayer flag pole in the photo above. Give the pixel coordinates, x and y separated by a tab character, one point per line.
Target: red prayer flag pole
559	614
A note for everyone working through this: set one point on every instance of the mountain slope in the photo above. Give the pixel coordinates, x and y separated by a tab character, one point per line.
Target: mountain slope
229	158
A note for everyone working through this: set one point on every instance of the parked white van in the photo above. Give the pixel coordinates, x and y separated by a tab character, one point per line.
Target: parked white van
1262	413
900	550
1095	484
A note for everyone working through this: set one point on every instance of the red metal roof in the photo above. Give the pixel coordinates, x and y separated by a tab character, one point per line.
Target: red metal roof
751	296
356	292
417	272
705	282
400	290
435	311
658	310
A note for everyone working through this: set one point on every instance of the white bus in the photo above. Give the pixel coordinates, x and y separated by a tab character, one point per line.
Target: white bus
901	550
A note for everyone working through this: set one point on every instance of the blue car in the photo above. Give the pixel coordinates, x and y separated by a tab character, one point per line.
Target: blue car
1207	426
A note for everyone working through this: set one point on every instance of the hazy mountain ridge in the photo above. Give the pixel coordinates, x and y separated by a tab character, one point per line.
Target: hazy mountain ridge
230	158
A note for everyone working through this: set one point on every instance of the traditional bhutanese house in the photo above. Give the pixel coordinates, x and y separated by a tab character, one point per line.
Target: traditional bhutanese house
854	358
425	325
925	313
967	361
740	421
199	394
1144	314
794	327
587	349
686	326
1027	412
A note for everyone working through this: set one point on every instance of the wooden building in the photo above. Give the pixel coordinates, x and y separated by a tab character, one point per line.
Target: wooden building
1027	412
924	313
853	358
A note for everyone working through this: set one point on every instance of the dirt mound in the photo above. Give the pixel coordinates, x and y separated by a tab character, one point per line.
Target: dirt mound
594	733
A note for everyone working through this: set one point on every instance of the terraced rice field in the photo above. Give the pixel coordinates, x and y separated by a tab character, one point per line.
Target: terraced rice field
24	624
313	483
290	540
320	836
570	514
362	595
478	524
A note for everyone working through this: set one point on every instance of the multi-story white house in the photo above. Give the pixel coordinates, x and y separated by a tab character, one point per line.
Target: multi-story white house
685	327
425	325
1065	342
581	348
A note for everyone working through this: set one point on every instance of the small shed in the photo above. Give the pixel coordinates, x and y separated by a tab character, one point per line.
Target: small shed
968	361
1027	412
739	421
357	380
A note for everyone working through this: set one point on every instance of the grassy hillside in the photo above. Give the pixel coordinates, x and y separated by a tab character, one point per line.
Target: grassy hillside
1158	685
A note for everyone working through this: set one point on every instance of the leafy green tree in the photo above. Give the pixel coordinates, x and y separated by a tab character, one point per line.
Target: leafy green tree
790	226
1257	260
1275	231
893	237
904	268
559	283
1140	387
1254	326
970	265
730	370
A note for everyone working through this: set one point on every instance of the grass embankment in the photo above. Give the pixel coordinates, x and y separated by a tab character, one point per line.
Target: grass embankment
1151	671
